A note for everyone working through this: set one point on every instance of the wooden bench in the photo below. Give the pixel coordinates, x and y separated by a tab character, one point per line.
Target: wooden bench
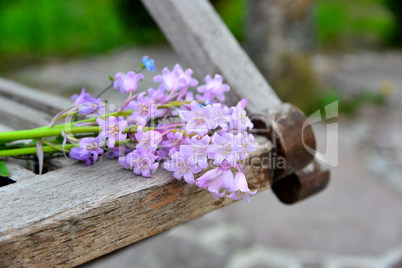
73	214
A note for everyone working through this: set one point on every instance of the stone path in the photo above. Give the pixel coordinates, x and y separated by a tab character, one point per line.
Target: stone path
355	222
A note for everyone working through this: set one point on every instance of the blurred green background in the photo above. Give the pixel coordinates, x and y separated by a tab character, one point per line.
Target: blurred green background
49	27
31	31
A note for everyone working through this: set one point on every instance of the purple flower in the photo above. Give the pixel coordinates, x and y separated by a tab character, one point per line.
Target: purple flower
230	147
173	140
176	79
76	153
217	180
90	107
92	146
136	120
143	107
221	116
182	168
225	147
141	161
112	130
214	88
239	120
148	63
148	140
82	98
246	145
158	95
118	151
198	119
240	188
127	83
196	151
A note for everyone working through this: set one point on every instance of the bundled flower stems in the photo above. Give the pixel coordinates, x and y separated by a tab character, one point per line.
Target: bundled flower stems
185	132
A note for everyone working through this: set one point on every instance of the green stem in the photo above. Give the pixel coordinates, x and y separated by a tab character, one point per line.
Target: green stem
175	103
44	132
54	146
32	150
103	91
70	128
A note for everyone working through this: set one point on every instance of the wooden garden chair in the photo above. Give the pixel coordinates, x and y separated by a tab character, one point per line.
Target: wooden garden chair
73	214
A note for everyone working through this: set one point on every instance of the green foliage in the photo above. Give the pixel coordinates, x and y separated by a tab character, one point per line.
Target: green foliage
4	172
234	15
140	26
59	27
294	79
343	23
395	6
51	27
348	107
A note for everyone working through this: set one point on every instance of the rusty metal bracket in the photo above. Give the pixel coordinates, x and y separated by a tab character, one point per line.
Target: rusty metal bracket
299	175
302	184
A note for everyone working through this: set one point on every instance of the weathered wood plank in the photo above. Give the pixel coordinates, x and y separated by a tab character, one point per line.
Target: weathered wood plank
75	214
41	101
18	173
18	116
200	37
4	127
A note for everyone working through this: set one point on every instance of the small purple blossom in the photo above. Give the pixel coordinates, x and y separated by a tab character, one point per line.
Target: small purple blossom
196	151
240	188
148	140
173	140
137	120
141	161
214	88
91	145
198	120
225	147
127	83
76	153
175	80
112	130
182	168
158	95
118	151
239	119
217	180
143	107
148	63
221	116
82	98
91	107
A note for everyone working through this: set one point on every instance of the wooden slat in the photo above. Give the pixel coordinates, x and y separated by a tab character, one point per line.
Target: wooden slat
41	101
75	214
4	127
18	116
18	173
22	107
200	37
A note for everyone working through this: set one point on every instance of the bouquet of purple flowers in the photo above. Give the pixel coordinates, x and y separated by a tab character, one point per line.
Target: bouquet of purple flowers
188	131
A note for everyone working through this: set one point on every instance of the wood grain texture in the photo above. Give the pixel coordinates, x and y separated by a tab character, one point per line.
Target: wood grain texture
72	215
29	97
18	173
19	116
200	37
